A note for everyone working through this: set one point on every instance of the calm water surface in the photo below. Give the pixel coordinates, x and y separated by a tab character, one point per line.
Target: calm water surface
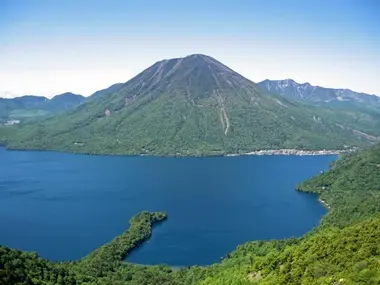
64	206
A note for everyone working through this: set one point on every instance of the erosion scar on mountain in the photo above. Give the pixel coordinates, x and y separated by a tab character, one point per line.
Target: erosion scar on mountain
223	117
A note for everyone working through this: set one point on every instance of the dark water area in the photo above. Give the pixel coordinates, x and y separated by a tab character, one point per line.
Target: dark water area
63	206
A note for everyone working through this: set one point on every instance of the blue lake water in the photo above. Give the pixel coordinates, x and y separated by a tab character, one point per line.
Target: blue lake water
64	206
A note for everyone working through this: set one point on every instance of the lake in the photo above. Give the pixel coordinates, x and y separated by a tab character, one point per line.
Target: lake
64	205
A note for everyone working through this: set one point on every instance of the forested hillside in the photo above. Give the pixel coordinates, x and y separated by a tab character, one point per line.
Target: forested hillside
30	107
351	188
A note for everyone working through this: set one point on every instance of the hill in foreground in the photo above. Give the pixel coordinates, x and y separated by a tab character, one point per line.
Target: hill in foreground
190	106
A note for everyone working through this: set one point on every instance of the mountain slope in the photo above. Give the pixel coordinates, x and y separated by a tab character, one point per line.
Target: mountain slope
32	107
316	94
107	91
23	108
189	106
351	187
358	110
23	102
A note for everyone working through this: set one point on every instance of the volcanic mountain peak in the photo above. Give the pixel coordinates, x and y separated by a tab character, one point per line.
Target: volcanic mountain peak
197	76
188	64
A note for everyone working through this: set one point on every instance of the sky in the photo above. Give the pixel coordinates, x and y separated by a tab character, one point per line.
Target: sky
51	47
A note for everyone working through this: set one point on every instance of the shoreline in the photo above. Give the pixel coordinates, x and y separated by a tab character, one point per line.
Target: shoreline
294	152
298	152
323	202
172	267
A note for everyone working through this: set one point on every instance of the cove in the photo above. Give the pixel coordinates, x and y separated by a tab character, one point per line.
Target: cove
63	206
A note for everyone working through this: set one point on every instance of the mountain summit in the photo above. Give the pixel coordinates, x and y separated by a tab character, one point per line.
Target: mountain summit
197	76
189	106
197	72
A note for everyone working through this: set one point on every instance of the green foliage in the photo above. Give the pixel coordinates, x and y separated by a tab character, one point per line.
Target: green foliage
331	256
351	187
6	132
110	256
23	268
25	114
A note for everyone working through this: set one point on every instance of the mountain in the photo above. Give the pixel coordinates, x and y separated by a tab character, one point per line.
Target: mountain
345	105
10	107
316	94
23	102
32	107
63	102
192	106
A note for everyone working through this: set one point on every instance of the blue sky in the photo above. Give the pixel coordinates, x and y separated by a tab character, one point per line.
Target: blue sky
50	47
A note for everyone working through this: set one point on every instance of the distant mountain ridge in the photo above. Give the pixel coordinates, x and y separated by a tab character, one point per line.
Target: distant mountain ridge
63	102
30	107
193	105
317	94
